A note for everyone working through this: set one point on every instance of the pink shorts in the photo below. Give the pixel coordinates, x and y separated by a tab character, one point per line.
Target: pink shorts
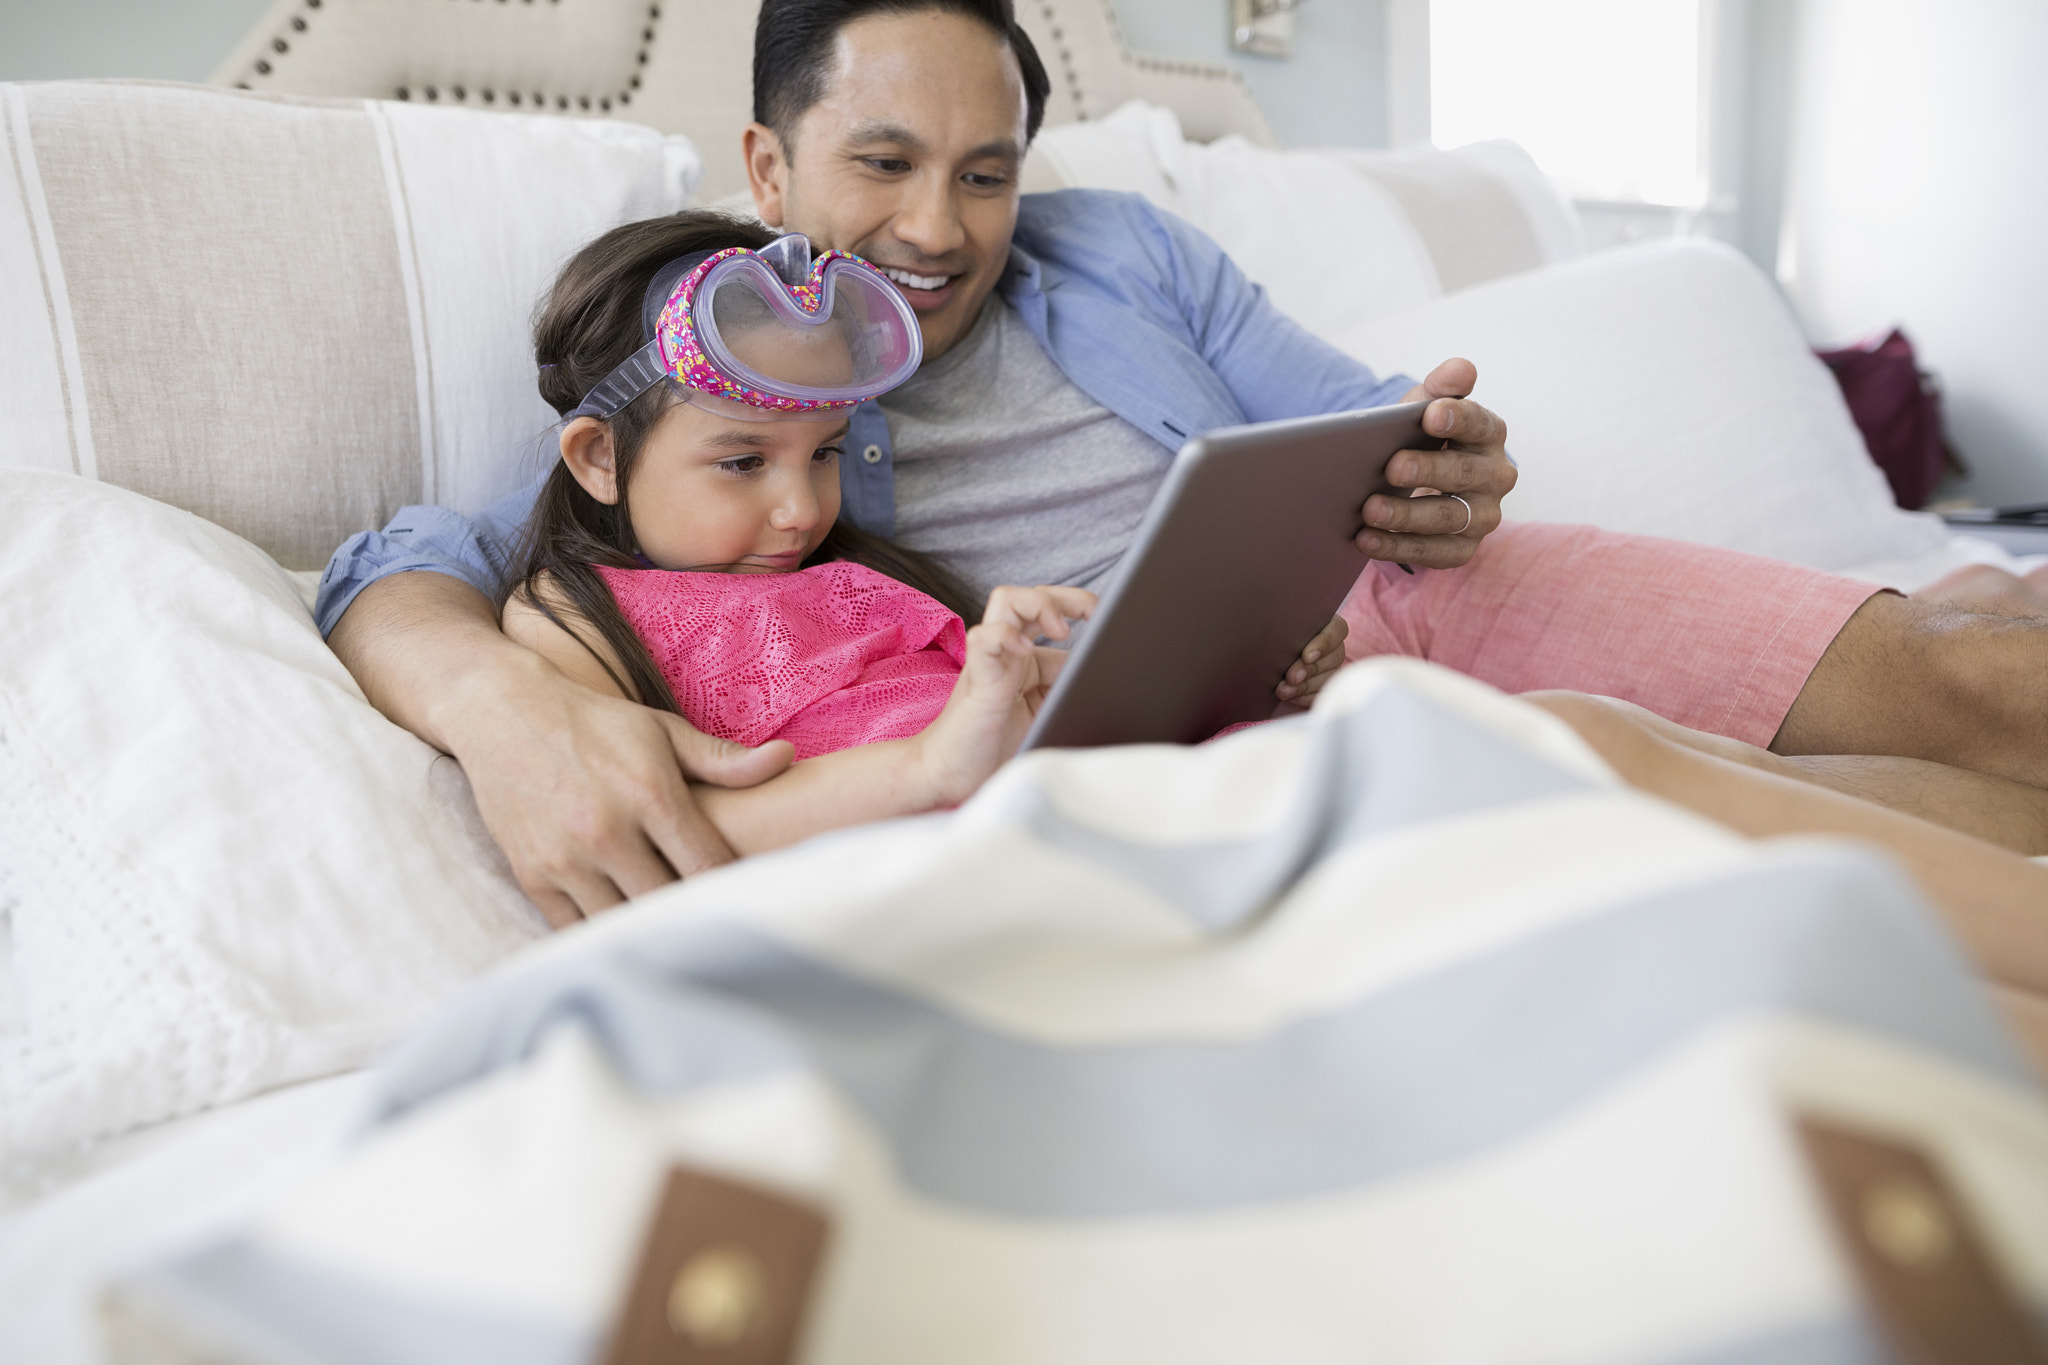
1713	639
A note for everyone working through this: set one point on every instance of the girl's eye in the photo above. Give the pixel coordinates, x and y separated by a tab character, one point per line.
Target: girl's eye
741	464
826	454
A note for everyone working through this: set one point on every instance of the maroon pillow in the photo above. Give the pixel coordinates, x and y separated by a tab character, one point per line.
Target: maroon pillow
1897	407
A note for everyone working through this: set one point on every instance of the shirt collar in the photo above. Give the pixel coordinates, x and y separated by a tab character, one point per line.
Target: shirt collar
1026	275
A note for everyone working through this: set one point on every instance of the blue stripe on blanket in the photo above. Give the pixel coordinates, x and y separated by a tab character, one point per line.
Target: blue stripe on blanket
249	1303
1427	1071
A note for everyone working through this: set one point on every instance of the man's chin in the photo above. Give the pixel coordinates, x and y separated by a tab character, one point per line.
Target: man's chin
945	315
924	301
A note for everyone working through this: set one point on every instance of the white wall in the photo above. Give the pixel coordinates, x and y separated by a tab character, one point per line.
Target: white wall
171	40
1917	193
1333	90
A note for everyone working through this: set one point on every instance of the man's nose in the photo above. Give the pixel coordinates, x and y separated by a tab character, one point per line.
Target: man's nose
930	217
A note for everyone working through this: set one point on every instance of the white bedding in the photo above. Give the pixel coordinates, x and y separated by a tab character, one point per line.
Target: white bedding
70	1221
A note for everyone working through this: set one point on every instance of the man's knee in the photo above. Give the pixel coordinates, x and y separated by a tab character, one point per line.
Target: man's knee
1914	678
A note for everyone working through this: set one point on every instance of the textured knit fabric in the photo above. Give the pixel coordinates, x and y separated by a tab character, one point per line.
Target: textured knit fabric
1009	473
827	658
1713	639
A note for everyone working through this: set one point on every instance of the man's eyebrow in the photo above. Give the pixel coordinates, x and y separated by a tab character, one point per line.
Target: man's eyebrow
874	130
882	130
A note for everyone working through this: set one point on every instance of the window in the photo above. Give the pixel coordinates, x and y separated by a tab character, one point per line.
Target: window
1605	94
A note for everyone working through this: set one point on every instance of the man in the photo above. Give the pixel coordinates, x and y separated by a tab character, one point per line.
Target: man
1072	342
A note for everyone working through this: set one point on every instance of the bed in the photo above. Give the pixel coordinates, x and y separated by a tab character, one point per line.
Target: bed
237	325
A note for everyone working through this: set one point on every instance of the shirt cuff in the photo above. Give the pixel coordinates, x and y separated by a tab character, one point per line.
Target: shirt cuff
429	539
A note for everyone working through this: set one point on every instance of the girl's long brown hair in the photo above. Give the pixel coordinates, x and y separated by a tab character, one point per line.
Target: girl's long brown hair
588	325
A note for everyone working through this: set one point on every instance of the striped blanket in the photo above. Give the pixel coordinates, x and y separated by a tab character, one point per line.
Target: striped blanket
1397	1032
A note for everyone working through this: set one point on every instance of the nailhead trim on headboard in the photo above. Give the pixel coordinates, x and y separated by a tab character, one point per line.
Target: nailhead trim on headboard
516	99
1066	56
1165	65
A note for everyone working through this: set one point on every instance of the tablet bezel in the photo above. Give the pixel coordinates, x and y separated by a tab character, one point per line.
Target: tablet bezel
1225	538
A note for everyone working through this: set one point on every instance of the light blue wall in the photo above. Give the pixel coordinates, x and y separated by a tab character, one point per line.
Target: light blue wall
171	40
1333	90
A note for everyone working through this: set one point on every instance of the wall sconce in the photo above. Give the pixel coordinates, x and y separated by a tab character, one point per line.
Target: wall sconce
1264	28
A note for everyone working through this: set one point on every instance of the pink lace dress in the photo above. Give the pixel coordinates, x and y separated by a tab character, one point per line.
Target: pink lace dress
827	658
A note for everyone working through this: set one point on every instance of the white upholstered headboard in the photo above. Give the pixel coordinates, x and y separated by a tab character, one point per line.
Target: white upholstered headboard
684	66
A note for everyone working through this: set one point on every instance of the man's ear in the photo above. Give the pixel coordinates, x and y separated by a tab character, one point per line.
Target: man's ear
587	450
767	170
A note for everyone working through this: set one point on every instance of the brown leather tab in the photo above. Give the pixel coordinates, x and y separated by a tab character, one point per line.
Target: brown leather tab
1926	1271
723	1279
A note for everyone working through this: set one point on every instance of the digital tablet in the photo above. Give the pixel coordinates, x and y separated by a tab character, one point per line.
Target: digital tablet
1245	554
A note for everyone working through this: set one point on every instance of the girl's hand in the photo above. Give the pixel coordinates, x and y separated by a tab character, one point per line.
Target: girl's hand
1321	657
1002	684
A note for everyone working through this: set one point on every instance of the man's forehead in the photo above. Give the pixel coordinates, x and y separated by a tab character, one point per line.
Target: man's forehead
891	72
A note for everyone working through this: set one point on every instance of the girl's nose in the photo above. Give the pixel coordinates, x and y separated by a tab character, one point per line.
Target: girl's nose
796	505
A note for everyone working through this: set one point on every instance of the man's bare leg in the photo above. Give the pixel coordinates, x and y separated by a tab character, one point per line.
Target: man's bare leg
1924	680
2011	814
1994	901
1991	591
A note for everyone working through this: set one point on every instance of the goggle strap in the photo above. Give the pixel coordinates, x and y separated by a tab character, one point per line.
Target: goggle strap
640	372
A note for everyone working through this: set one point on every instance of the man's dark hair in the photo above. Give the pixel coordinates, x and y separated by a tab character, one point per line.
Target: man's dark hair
793	42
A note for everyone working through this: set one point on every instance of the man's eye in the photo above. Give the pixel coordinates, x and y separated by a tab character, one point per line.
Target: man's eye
888	165
983	181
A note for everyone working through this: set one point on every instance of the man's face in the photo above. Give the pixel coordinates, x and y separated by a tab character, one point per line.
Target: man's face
910	159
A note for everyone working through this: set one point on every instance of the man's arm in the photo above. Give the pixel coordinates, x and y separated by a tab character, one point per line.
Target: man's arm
1277	368
586	794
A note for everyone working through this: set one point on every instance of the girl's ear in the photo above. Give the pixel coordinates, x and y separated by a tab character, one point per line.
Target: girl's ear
587	450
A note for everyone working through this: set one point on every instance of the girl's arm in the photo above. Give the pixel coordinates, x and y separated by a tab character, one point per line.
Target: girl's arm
982	725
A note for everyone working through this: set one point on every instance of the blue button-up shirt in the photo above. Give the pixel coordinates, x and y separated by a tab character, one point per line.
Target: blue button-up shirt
1139	309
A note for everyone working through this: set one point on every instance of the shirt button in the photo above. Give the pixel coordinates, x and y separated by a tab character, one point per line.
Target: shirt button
873	454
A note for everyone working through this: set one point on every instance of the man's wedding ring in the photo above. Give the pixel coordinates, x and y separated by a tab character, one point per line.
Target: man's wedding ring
1468	515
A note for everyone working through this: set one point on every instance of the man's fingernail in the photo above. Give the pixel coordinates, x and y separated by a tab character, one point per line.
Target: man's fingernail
1372	544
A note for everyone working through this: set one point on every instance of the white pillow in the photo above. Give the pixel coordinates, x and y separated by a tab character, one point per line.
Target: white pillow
221	869
1663	390
293	316
1334	234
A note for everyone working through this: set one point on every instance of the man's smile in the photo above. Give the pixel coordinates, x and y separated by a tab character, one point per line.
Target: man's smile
910	281
924	293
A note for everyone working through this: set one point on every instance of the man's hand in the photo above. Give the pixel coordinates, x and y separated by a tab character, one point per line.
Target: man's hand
1429	528
585	793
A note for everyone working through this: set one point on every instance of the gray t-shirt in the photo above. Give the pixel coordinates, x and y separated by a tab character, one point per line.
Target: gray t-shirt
1008	472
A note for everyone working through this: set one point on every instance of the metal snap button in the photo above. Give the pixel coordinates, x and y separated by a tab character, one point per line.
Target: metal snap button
873	454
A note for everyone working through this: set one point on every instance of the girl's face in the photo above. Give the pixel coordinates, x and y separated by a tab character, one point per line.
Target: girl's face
708	492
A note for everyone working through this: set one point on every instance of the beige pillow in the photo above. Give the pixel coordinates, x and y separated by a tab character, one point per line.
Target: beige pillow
292	316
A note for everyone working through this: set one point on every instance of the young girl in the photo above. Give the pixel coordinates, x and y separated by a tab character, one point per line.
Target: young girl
687	552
